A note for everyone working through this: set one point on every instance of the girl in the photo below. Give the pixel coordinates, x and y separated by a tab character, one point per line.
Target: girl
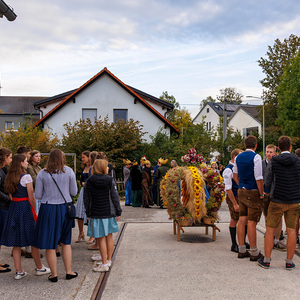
33	169
5	160
18	230
102	205
54	184
80	209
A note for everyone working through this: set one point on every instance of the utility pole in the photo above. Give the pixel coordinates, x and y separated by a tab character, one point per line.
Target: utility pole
224	121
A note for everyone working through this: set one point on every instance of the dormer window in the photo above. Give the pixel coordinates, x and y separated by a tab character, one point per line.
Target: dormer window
207	110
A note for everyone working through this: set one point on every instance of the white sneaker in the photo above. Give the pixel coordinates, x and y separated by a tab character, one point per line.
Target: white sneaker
20	275
96	257
42	271
100	263
101	268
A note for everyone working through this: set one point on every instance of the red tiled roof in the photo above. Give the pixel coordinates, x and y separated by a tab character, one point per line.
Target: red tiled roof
117	80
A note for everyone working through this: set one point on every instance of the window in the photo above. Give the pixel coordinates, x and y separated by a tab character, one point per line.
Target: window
89	113
250	131
207	110
208	125
11	125
120	114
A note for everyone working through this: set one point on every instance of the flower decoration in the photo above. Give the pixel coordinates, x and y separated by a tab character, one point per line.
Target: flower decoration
192	157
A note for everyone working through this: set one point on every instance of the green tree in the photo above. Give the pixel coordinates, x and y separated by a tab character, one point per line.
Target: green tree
118	140
206	100
182	119
27	135
272	66
288	92
171	99
231	95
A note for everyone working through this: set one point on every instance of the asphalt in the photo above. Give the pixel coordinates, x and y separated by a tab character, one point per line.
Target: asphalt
151	264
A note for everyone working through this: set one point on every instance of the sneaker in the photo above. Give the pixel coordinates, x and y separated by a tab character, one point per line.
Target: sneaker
261	263
235	248
20	275
289	266
42	271
279	247
244	254
100	263
96	257
256	257
101	268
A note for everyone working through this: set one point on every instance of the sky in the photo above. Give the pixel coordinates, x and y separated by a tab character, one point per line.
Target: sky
189	48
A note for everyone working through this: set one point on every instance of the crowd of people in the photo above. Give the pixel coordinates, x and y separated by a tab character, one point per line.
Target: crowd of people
35	203
36	209
270	187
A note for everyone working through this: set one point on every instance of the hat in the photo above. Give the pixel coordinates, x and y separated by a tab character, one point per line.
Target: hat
213	162
146	162
162	161
126	161
143	159
134	163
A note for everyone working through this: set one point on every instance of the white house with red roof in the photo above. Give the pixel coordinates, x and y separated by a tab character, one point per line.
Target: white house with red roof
105	95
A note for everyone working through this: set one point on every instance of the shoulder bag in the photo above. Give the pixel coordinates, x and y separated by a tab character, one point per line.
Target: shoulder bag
71	210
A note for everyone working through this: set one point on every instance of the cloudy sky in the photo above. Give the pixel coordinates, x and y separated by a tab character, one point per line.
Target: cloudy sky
190	48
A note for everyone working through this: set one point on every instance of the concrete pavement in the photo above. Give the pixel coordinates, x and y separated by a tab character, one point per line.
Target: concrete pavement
151	264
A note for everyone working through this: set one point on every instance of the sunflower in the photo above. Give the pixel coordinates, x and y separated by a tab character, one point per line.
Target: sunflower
197	202
197	194
197	188
197	208
197	181
197	214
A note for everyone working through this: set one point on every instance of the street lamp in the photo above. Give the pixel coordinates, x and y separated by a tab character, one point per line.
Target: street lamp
263	129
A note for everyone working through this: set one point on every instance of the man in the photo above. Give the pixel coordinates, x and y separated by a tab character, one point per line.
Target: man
247	172
231	189
271	151
283	180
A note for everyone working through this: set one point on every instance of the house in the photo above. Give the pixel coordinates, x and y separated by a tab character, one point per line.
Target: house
245	120
17	110
241	117
211	113
105	95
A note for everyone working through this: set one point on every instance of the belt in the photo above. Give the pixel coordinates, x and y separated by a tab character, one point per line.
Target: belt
32	209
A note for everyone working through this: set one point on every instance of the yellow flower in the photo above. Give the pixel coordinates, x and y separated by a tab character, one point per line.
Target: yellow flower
215	205
197	181
197	194
197	188
164	186
197	214
197	202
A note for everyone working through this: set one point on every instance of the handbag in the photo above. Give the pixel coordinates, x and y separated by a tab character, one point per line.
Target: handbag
71	210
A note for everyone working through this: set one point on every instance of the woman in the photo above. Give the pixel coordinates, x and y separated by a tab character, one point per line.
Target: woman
102	204
18	230
174	163
55	183
33	170
137	192
5	160
146	184
127	182
80	209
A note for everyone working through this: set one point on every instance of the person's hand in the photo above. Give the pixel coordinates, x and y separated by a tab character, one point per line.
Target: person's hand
236	208
118	218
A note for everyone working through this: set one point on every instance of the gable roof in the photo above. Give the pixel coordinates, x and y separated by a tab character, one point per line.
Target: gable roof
251	110
19	105
133	92
231	109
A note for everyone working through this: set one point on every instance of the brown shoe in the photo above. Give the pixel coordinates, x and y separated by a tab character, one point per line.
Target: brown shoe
244	254
29	255
256	257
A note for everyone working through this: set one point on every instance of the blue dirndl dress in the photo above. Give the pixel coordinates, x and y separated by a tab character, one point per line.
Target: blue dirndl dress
53	226
18	229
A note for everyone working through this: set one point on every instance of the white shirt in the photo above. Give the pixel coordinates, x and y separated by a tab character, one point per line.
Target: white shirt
227	176
257	166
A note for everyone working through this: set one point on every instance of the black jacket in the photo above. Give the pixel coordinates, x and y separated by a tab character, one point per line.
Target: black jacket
101	198
283	178
4	197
